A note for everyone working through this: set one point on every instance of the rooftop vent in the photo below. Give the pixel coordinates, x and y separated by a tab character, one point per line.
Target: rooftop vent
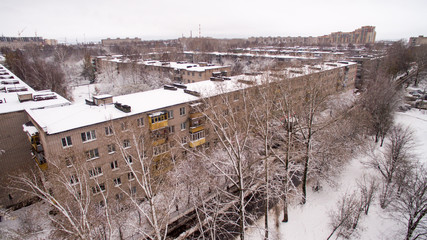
10	82
102	99
169	87
194	93
178	85
122	107
16	89
43	95
216	79
22	97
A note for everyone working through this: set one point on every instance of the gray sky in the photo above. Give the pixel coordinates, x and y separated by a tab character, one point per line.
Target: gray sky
92	20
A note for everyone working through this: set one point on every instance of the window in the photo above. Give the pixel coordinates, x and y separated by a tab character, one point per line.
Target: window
114	165
192	73
197	135
182	111
226	112
157	150
170	114
184	140
133	191
108	131
236	97
95	172
131	176
69	161
188	73
111	148
171	129
225	125
117	182
126	143
87	136
99	188
200	74
74	179
66	142
129	159
119	196
92	154
124	126
183	126
140	122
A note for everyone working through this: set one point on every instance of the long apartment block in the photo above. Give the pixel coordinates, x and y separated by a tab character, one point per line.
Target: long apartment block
16	154
107	135
182	72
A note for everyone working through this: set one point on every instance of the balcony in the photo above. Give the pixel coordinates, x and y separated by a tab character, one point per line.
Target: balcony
196	143
158	120
196	115
197	128
40	160
159	141
37	147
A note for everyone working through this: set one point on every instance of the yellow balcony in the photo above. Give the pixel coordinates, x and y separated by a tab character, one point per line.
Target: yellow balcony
158	125
196	115
42	163
197	143
159	141
196	129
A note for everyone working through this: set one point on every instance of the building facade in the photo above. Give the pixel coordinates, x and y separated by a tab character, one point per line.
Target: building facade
104	140
16	156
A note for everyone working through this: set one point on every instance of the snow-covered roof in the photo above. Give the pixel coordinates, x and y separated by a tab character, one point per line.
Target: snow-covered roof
55	120
12	88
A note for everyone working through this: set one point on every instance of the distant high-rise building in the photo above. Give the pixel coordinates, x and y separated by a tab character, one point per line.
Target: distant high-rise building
416	41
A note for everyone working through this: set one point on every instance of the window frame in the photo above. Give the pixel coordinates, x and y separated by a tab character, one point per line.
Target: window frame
92	154
88	136
67	142
182	111
114	165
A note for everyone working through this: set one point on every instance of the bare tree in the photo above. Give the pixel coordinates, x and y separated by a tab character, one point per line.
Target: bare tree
345	218
368	187
411	204
394	163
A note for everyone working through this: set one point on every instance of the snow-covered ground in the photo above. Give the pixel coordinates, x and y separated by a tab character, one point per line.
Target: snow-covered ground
82	92
311	221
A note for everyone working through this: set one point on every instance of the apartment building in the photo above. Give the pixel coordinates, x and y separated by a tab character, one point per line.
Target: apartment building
417	41
105	137
15	154
181	72
119	41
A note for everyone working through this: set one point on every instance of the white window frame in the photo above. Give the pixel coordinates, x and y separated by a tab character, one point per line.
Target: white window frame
129	159
126	143
74	180
171	129
182	111
197	136
66	142
183	126
114	165
124	126
95	172
160	149
111	148
131	176
69	161
170	114
140	122
109	131
88	136
92	154
117	181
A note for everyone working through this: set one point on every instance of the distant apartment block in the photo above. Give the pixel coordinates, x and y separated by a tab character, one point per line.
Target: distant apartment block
105	138
363	35
19	42
182	72
16	156
120	41
418	41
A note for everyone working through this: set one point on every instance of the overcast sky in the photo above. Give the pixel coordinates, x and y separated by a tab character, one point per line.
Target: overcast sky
92	20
